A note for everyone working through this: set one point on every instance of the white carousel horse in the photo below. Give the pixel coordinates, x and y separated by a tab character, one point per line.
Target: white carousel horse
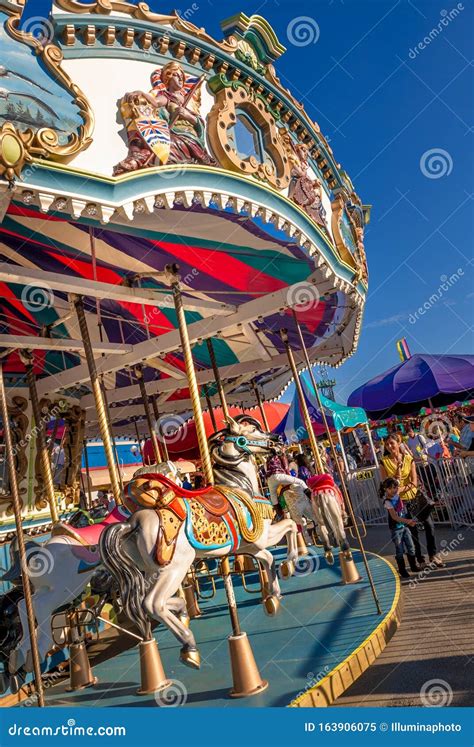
59	571
151	553
328	509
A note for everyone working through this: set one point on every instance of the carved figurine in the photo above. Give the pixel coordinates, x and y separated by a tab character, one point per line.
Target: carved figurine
164	126
304	190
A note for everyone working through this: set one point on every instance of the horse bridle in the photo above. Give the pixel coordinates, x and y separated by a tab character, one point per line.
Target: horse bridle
242	442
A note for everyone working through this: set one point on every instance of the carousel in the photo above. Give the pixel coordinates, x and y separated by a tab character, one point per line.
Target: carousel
175	234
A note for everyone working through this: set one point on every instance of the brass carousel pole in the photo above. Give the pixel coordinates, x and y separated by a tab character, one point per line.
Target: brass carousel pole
345	492
210	407
156	412
148	414
88	478
138	439
99	399
217	377
260	405
304	407
45	459
20	538
192	382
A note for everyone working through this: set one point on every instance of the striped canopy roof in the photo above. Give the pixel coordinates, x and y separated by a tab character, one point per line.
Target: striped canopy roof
224	258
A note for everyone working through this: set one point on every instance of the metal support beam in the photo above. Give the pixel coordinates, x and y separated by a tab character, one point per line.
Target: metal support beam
302	399
15	342
99	401
30	613
148	414
345	492
217	378
45	458
193	385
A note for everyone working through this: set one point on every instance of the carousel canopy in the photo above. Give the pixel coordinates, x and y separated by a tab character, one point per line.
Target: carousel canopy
339	417
420	381
102	190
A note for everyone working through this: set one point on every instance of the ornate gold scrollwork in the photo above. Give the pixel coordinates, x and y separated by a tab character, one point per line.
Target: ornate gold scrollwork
14	150
19	426
232	96
44	142
359	261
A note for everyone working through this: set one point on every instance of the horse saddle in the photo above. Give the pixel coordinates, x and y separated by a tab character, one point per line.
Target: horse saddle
174	504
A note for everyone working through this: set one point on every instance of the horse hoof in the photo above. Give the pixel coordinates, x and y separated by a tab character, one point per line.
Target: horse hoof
29	662
15	661
287	568
4	682
271	605
191	657
329	557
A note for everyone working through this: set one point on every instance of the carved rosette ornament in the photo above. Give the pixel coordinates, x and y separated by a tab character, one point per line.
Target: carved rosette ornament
234	99
19	426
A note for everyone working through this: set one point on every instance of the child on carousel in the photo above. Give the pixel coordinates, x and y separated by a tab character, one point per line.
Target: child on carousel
399	526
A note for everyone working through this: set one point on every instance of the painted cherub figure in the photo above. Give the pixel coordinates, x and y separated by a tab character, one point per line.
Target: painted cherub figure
164	125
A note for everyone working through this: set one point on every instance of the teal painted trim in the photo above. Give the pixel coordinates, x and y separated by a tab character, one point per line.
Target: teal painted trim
97	189
61	20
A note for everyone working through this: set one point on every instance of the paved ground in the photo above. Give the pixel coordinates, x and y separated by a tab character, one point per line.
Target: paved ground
435	640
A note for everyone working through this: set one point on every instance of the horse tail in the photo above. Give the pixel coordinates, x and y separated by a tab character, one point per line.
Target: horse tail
130	579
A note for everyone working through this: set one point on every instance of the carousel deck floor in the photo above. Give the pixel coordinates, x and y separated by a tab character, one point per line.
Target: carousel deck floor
323	638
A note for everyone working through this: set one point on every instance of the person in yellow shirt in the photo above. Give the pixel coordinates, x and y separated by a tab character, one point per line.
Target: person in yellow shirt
397	462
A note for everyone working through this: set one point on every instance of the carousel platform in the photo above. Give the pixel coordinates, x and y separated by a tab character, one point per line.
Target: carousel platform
323	638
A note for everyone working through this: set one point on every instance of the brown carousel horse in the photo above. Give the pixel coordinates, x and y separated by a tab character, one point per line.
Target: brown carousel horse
150	554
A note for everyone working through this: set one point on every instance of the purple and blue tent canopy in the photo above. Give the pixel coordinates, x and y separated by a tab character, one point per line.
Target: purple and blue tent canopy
420	381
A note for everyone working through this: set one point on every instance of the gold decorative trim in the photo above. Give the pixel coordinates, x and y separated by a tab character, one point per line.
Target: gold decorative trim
15	149
45	142
142	12
336	682
19	426
358	262
229	98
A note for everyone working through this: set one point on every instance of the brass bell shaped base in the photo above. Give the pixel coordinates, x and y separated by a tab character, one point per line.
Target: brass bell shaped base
191	657
152	674
271	605
287	568
80	672
350	574
301	544
245	675
191	602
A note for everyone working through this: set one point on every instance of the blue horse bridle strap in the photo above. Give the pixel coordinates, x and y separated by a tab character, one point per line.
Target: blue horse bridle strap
243	443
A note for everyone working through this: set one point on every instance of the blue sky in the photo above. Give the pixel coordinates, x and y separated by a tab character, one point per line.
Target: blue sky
385	104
